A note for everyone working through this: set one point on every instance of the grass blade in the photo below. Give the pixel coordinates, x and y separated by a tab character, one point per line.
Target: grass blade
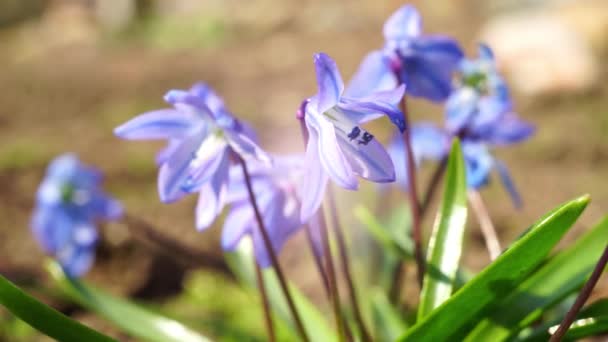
561	276
44	318
132	318
500	277
445	245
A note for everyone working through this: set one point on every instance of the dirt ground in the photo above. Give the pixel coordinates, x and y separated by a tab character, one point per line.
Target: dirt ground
68	97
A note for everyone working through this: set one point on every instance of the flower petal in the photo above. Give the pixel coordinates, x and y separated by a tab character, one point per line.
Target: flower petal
460	108
361	112
429	142
174	171
508	183
367	158
403	24
331	156
374	74
238	223
511	129
211	157
478	162
329	82
158	124
212	196
312	188
246	148
428	67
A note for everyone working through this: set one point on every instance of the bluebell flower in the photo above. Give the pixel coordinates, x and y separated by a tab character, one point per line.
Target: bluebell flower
425	63
69	205
277	192
202	138
338	147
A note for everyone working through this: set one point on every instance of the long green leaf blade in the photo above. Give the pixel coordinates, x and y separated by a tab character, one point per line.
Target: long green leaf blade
241	262
132	318
558	278
500	277
445	244
44	318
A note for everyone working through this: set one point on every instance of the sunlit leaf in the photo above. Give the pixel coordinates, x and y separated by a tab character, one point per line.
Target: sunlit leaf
499	278
130	317
561	276
445	244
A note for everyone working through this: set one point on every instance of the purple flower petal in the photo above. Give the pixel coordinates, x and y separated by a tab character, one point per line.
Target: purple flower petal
368	110
329	81
374	74
478	162
367	159
428	67
246	148
460	109
331	156
511	129
405	23
174	171
211	157
212	197
313	184
429	142
167	151
238	223
158	124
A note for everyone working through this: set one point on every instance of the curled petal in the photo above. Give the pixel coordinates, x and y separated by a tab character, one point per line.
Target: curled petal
329	81
405	23
158	124
363	111
312	187
211	157
485	52
374	74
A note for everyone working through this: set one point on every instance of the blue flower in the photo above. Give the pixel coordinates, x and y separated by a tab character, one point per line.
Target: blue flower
202	138
338	148
480	109
69	204
425	63
277	192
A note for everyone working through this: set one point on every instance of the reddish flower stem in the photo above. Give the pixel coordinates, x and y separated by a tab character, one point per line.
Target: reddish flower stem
273	257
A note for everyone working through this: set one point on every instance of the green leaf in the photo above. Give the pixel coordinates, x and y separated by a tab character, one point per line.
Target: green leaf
132	318
241	262
388	323
500	277
382	235
597	310
44	318
585	327
445	244
561	276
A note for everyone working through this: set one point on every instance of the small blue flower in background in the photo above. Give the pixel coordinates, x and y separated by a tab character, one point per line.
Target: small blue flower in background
425	63
202	138
277	192
338	148
429	142
69	204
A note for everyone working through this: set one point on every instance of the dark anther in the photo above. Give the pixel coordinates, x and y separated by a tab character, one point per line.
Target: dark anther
355	133
366	138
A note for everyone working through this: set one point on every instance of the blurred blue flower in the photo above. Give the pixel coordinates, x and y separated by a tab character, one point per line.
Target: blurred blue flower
202	137
69	204
429	142
338	147
276	190
424	63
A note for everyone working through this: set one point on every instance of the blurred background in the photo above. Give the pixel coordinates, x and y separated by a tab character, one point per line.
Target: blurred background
72	70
